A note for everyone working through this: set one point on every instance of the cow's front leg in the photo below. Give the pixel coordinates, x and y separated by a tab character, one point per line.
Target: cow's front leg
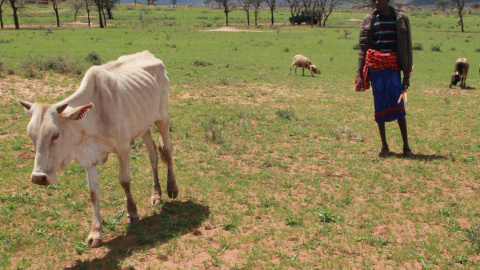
94	239
125	180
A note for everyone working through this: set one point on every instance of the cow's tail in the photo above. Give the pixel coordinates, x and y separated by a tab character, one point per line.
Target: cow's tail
163	154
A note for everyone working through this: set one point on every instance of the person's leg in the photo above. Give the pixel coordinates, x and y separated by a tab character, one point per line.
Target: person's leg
402	123
384	151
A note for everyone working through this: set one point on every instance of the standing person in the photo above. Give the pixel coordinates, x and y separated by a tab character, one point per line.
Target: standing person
385	50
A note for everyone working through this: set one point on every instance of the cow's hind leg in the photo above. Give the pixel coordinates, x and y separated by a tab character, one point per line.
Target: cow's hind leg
165	148
125	180
94	239
153	156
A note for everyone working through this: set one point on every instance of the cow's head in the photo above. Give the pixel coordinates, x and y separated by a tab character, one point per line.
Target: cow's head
455	78
52	135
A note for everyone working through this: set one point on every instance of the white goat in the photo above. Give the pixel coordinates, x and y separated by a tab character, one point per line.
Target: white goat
304	63
460	72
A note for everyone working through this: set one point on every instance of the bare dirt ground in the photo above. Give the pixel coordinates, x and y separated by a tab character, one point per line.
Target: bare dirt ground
232	29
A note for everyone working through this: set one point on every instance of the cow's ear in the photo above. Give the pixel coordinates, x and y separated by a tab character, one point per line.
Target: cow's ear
78	113
27	105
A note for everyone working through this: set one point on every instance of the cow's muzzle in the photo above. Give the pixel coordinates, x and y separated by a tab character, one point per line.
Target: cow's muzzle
40	179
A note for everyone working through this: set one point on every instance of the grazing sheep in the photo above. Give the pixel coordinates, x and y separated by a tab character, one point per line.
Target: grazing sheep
460	72
304	63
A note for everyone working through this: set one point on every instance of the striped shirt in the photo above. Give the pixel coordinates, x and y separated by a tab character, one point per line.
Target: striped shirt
384	33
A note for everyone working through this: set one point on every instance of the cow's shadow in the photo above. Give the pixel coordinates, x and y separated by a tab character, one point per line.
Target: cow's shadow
421	157
176	218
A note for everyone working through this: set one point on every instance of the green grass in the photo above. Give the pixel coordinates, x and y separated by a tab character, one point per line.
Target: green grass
274	171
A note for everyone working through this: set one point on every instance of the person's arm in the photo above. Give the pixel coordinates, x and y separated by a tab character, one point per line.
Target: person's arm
409	64
361	64
363	44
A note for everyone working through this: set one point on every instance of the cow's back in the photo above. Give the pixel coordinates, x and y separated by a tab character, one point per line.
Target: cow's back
130	93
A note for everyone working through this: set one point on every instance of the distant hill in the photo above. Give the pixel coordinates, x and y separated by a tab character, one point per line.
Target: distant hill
432	2
200	2
167	2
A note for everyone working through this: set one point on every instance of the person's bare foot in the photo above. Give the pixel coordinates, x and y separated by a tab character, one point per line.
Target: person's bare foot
384	152
407	152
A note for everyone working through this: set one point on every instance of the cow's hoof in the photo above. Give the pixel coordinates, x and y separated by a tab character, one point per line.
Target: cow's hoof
94	243
173	194
172	191
156	200
134	220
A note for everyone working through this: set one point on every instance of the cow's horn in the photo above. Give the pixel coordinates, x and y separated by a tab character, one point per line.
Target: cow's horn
26	104
60	109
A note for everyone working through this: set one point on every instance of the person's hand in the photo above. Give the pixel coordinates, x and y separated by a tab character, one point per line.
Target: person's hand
359	82
405	84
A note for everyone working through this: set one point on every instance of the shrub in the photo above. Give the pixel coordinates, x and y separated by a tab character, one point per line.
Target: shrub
201	63
213	131
435	47
29	67
418	46
477	50
2	40
66	64
356	46
94	58
287	114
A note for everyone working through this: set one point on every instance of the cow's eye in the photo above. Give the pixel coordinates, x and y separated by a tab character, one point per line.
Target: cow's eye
55	136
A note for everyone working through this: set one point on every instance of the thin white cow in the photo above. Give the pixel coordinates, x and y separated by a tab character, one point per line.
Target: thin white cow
115	104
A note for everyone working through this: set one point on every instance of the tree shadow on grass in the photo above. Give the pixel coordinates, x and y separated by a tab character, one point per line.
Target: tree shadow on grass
176	218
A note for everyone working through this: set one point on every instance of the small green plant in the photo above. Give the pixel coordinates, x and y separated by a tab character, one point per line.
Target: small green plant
326	216
294	221
356	46
473	236
477	50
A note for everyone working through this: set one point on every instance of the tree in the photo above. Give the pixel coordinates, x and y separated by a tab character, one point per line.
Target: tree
294	7
256	4
152	2
1	18
327	6
227	7
55	8
174	2
246	4
88	8
13	4
99	5
442	5
459	5
109	5
271	4
76	5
